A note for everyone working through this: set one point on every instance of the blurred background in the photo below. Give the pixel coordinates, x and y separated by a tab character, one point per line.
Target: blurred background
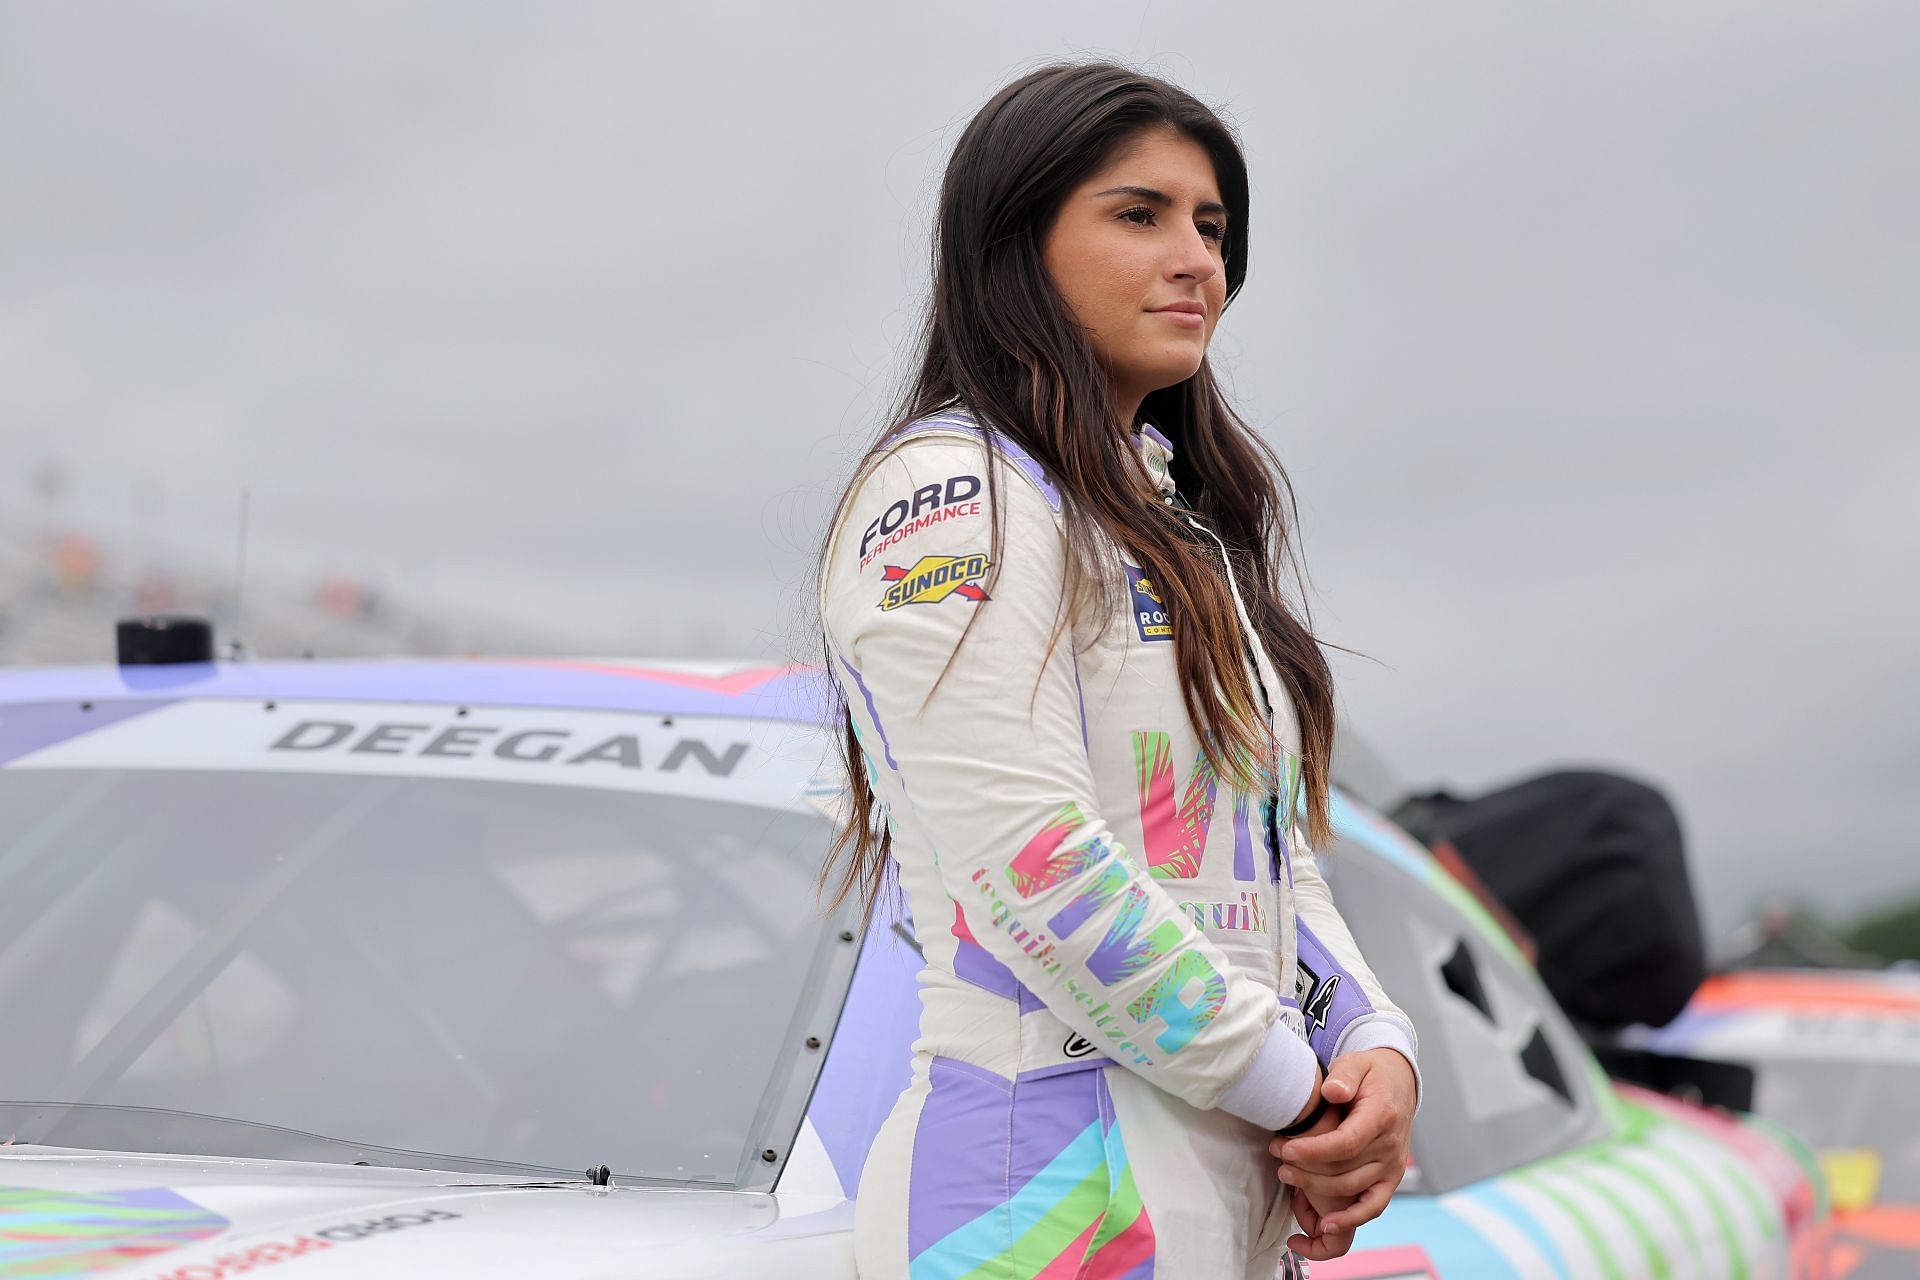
1588	337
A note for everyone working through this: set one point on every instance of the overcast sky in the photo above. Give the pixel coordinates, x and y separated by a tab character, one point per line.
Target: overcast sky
1588	334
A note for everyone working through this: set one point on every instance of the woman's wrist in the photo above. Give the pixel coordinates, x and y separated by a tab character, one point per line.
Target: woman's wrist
1282	1080
1307	1120
1315	1107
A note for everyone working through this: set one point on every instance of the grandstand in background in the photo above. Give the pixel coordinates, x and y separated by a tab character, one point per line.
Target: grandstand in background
62	589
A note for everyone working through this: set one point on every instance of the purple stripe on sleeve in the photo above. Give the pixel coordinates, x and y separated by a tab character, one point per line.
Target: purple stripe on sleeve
1081	693
1023	461
1329	996
1153	433
866	696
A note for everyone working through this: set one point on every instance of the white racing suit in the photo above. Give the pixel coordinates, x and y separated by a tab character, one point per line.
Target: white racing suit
1131	968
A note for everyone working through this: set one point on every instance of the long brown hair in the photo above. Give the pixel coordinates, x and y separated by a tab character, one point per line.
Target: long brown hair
1000	342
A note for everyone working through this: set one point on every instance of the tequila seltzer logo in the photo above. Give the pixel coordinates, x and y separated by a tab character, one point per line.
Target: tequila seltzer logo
932	579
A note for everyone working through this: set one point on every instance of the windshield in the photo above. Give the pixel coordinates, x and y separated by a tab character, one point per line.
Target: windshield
554	976
1837	1106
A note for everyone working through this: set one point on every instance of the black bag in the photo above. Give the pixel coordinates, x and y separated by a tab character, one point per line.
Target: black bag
1592	865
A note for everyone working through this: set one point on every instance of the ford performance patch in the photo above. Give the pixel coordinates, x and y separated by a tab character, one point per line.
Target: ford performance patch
930	505
932	579
1149	611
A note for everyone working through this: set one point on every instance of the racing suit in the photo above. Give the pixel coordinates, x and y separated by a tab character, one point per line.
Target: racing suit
1131	966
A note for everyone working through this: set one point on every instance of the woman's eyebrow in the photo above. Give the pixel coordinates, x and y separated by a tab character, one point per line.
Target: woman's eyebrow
1161	198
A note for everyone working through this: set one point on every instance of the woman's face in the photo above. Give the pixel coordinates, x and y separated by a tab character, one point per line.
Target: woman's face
1136	252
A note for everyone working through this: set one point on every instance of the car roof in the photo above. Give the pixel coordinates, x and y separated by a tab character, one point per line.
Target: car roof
782	692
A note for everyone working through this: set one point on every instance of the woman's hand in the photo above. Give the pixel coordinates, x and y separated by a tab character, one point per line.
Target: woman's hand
1316	1244
1349	1171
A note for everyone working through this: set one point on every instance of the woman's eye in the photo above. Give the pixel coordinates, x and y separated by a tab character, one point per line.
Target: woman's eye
1213	230
1140	217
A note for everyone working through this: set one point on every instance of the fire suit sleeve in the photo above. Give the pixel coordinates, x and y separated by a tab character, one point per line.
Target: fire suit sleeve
962	683
1346	1008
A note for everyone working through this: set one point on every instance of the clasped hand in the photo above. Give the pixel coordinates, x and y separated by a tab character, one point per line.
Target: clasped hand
1344	1169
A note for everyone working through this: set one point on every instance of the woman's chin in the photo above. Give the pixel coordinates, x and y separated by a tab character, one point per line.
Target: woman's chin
1171	373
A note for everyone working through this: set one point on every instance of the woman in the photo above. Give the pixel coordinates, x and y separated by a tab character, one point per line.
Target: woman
1079	716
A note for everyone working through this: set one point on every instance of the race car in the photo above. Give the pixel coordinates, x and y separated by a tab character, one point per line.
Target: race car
1836	1059
517	967
1832	1054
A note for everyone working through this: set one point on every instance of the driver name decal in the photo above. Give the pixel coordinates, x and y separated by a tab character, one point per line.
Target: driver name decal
528	746
734	758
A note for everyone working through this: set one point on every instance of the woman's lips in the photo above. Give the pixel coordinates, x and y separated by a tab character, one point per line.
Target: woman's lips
1185	319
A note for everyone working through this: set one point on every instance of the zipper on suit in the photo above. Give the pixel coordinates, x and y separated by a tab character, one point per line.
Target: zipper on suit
1247	641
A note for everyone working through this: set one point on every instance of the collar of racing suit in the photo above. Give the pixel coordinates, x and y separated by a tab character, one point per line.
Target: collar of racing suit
1156	451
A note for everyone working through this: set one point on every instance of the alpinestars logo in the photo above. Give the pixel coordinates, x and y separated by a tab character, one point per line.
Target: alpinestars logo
932	579
1315	995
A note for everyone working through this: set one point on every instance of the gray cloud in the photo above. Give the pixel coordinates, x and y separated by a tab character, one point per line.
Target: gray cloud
1587	336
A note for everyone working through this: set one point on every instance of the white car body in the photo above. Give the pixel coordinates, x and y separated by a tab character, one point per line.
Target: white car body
215	965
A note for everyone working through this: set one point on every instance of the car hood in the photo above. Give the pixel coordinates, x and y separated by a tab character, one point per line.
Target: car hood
191	1218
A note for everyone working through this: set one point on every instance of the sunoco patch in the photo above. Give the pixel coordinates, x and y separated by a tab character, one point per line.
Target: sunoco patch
1149	610
932	579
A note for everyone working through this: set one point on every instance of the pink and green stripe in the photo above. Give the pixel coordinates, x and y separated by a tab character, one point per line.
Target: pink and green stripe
1056	1202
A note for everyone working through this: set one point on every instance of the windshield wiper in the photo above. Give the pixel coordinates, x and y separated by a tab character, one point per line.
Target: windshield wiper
99	1126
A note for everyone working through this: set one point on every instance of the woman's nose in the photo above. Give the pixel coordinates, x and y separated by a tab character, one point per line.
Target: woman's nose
1193	260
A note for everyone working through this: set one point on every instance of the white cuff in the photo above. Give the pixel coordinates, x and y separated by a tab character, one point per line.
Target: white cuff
1384	1031
1277	1084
